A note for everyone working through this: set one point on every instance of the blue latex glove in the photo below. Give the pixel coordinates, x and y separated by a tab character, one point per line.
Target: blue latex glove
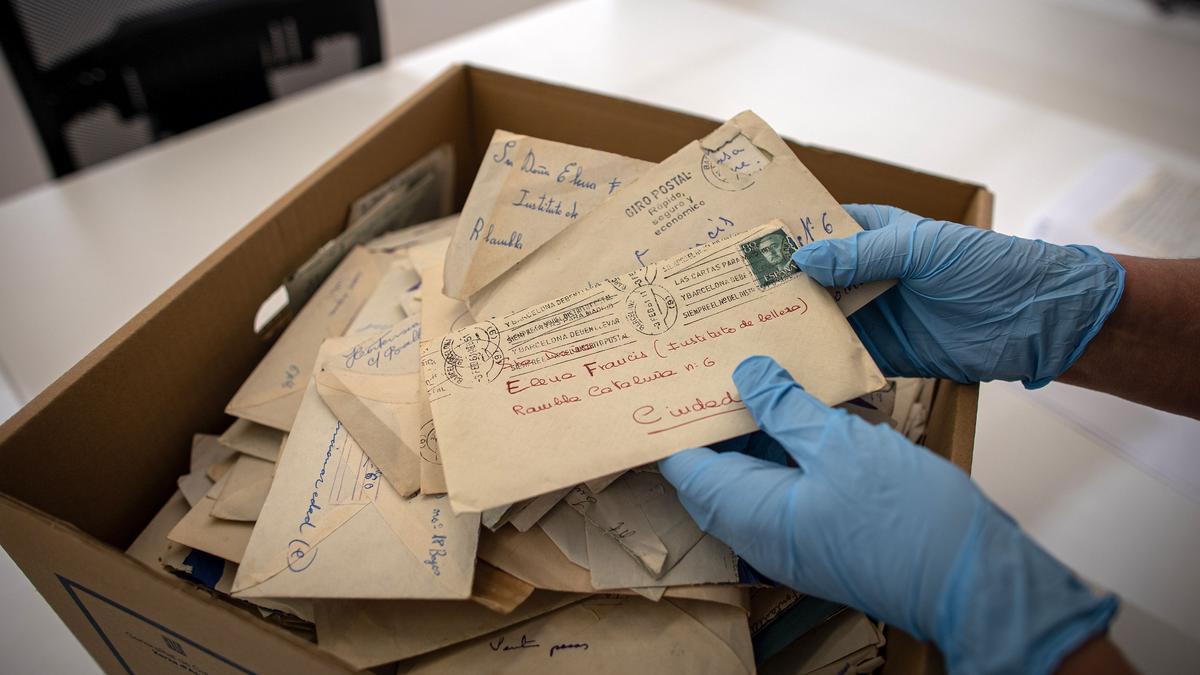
971	305
875	522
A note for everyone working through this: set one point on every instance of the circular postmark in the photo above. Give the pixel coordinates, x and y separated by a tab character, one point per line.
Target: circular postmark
651	309
300	555
473	355
721	170
429	444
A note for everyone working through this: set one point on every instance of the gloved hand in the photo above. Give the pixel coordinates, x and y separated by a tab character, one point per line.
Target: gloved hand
971	305
875	522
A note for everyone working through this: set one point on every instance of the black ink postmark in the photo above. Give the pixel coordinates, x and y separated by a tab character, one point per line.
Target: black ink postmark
473	355
651	309
770	257
429	444
732	166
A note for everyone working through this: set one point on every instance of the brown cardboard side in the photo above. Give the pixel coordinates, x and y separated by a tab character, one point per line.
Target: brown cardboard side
578	117
124	614
113	432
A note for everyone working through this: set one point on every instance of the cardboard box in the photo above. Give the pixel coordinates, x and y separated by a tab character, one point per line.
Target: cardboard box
87	463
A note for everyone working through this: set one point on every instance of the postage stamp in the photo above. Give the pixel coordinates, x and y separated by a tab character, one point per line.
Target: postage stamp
770	257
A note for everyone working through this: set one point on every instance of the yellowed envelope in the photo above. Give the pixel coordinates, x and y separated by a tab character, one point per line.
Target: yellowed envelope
630	370
414	235
251	438
272	393
245	490
383	308
527	190
332	528
370	381
150	544
368	633
200	530
735	179
439	315
609	635
532	511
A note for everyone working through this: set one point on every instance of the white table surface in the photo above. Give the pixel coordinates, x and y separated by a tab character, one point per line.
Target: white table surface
80	257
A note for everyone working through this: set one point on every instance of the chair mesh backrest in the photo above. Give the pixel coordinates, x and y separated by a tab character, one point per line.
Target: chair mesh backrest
56	30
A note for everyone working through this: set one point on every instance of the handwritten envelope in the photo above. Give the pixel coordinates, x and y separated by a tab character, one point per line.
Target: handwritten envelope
630	370
737	178
370	380
332	528
609	635
527	191
272	394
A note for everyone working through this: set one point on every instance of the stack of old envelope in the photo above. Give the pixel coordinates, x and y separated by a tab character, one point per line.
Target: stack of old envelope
449	455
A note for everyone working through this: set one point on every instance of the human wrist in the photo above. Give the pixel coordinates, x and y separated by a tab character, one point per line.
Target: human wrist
1010	607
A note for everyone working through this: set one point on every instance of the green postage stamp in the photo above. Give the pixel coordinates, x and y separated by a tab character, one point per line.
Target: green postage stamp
770	257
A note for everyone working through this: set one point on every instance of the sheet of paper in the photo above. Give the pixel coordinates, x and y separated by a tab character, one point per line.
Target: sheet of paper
737	178
536	508
414	235
847	643
626	372
641	513
193	486
498	590
328	511
370	381
272	393
527	190
1158	217
150	544
200	530
708	562
245	491
610	635
439	315
564	526
369	633
251	438
419	193
383	309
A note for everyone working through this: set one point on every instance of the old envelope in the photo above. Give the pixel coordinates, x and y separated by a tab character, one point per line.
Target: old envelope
527	191
251	438
272	393
329	511
383	308
370	382
245	490
200	530
632	369
738	177
609	635
368	633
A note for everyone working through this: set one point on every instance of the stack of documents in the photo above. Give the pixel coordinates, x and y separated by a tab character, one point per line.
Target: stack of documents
448	457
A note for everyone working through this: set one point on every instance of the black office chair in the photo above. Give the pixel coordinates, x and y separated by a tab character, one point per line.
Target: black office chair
101	78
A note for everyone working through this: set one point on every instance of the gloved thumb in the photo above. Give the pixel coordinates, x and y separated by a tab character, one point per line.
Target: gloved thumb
781	407
728	494
870	255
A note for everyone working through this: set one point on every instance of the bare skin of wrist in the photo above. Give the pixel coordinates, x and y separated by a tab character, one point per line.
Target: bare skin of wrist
1148	351
1097	656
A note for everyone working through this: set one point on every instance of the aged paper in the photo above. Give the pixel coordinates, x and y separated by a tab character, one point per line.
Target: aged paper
245	490
383	308
527	191
609	635
200	530
370	381
272	393
329	511
737	178
630	370
251	438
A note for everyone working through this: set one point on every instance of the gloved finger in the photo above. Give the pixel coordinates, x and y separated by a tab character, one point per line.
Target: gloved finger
731	496
871	216
870	255
781	407
756	444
